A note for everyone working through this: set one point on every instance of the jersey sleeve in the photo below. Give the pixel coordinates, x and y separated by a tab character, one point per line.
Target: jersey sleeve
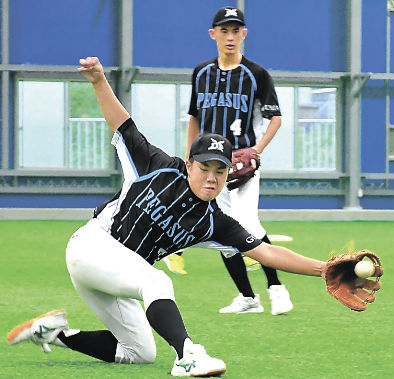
193	111
231	236
137	156
268	96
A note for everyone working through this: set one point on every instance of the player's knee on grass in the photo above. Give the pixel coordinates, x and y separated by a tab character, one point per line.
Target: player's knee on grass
157	286
145	354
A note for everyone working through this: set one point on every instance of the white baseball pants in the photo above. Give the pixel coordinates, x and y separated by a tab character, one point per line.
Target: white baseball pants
112	279
242	204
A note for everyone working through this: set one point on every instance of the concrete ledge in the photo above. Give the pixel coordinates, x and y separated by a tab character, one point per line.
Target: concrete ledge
326	215
264	214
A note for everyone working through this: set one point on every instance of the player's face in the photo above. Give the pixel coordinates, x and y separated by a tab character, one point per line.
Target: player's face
228	37
207	179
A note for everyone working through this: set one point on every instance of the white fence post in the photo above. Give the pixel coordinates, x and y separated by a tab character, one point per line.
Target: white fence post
318	144
91	139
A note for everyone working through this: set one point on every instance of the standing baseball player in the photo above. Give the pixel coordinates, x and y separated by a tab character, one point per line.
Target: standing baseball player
230	94
163	206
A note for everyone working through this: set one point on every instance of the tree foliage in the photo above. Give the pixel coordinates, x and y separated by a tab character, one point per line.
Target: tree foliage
82	101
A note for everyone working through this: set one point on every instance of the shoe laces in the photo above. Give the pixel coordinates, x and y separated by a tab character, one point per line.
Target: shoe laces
238	300
278	293
196	349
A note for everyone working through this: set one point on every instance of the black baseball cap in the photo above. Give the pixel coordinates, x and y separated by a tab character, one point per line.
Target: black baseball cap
211	147
228	14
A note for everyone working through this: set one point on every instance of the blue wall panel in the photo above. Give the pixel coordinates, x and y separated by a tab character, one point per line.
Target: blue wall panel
301	202
382	202
61	32
392	41
92	201
374	36
51	201
297	35
1	57
373	129
174	33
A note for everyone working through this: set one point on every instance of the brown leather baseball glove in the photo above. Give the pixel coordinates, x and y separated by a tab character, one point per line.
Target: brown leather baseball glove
346	286
243	169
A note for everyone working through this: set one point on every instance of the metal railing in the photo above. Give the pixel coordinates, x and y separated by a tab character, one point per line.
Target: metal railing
316	144
89	140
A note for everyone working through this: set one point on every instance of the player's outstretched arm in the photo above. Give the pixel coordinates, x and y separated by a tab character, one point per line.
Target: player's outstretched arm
112	109
284	259
339	273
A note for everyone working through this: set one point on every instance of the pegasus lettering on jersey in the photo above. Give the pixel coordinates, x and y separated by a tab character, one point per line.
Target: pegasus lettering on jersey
226	101
230	100
156	213
152	206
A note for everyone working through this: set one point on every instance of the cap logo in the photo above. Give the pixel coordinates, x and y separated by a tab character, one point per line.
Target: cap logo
216	145
231	12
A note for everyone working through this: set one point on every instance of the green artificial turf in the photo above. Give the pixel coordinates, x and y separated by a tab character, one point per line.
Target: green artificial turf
319	338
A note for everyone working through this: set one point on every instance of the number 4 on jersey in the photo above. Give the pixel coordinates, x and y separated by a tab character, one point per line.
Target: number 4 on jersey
235	127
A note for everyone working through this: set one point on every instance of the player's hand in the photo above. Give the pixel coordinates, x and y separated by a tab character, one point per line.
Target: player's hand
245	162
253	164
91	69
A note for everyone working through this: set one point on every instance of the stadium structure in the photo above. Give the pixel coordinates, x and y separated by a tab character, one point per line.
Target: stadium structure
331	61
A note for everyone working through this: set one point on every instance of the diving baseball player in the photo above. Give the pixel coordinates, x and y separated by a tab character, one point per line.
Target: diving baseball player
164	205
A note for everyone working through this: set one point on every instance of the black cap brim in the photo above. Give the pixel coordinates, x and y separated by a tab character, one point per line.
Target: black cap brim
227	20
212	157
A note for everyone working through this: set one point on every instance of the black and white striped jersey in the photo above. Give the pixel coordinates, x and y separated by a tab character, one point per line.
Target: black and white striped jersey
156	213
224	101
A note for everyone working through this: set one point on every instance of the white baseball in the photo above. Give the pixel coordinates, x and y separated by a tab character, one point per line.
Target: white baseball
239	165
364	269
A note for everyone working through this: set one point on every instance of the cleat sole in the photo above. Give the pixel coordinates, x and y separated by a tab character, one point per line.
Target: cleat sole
12	336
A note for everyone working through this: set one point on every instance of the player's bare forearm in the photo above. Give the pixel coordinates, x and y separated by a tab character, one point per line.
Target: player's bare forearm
269	134
113	111
192	133
284	259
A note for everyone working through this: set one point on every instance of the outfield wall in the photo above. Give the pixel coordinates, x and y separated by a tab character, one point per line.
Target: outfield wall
341	44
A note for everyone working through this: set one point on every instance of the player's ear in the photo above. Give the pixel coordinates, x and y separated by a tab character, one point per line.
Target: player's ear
212	33
244	33
188	166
